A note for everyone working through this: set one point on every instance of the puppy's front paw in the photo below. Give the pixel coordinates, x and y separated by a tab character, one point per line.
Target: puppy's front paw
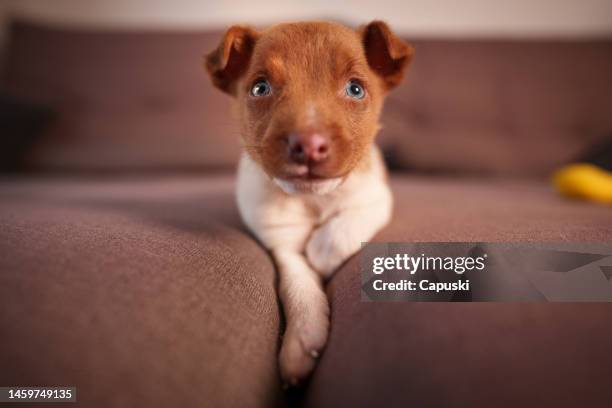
330	245
303	343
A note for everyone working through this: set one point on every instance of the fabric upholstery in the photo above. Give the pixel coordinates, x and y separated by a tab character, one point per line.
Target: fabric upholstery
500	107
138	293
126	100
137	100
149	292
461	354
469	354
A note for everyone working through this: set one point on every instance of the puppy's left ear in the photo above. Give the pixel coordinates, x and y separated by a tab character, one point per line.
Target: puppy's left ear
387	54
230	60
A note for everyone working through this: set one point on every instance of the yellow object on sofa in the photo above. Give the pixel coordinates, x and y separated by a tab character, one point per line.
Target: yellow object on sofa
586	181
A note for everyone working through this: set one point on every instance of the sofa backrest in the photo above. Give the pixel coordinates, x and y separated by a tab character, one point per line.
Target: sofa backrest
501	107
130	100
124	100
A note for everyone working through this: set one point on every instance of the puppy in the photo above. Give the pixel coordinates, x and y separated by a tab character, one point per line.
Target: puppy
311	183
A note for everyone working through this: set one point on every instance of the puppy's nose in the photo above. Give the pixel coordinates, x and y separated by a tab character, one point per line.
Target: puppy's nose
308	147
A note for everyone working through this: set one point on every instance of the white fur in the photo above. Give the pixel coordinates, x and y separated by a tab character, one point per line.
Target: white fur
308	187
310	233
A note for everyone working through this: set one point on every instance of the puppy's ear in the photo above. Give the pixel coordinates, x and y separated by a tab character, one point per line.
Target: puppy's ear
387	54
230	60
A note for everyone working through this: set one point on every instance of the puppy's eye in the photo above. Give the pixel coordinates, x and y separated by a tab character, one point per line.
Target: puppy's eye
261	87
354	89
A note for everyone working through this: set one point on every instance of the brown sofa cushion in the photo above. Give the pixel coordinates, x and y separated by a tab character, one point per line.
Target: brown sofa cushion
150	293
138	293
500	107
469	354
125	99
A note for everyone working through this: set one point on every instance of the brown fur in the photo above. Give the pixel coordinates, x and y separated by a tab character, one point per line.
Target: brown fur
308	66
310	221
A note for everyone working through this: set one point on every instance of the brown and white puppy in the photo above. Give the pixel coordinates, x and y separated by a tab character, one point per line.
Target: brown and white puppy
311	184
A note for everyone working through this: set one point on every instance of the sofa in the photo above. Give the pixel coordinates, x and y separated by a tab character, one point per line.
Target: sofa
125	270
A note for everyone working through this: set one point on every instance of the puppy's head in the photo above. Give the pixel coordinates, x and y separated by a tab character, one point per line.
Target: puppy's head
309	95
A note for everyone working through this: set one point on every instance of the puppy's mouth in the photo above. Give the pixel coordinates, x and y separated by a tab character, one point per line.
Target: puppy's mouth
306	180
304	173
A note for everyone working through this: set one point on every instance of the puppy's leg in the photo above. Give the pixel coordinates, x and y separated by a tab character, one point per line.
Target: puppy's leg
306	312
341	236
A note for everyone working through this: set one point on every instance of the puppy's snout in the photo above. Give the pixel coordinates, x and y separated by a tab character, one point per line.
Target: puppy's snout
308	147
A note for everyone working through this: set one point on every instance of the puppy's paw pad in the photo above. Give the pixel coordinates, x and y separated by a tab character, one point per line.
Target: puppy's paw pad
295	363
301	348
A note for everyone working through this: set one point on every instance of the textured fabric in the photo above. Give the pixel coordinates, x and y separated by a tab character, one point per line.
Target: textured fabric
141	100
471	209
126	100
150	293
138	293
500	107
469	354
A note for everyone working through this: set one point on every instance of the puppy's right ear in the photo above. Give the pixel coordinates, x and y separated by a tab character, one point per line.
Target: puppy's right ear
230	60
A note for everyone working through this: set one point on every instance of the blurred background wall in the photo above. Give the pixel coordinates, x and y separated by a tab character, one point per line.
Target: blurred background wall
473	18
